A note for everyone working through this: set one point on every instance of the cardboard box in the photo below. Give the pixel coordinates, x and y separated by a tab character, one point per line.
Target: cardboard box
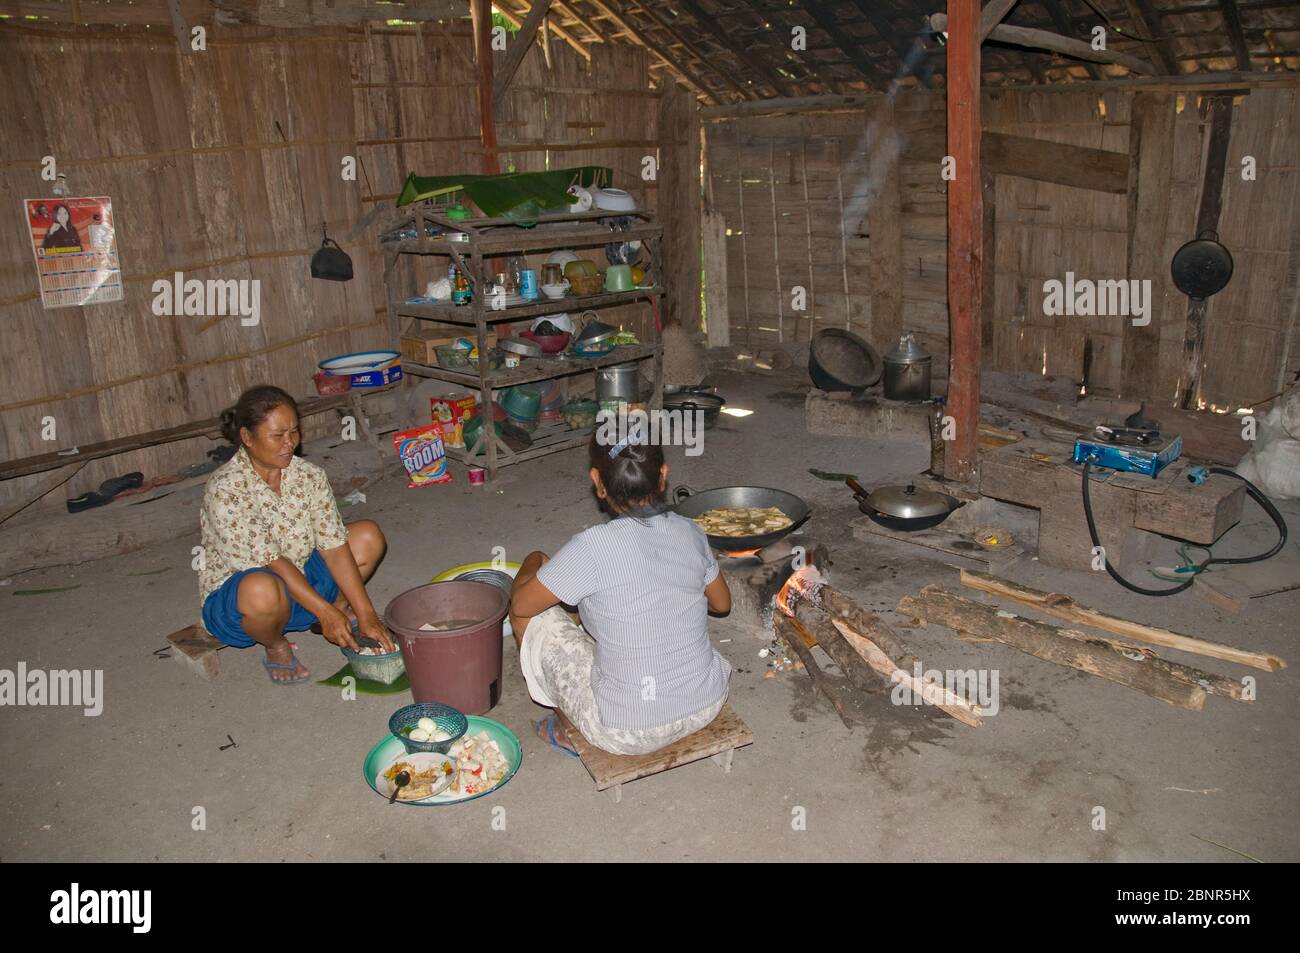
420	345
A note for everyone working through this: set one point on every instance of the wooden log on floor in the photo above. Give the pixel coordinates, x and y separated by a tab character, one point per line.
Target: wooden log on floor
933	694
935	606
800	641
854	668
859	642
1064	607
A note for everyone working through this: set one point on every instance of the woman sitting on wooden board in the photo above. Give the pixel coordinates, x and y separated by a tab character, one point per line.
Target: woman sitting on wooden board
277	556
644	673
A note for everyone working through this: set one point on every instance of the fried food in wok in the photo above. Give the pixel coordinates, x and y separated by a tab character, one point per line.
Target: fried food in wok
742	520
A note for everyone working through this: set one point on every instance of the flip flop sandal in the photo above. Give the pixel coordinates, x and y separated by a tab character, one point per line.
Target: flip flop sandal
285	667
106	492
127	481
550	736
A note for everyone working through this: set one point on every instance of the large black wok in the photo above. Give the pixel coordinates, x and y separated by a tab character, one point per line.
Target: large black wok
691	504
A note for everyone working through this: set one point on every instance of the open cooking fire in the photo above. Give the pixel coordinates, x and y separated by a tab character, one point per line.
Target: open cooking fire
740	553
803	584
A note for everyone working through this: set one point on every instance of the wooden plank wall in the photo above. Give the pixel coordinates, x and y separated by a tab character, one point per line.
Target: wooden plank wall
220	165
1042	231
223	164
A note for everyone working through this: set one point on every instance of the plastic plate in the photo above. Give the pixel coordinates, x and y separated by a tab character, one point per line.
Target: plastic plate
382	755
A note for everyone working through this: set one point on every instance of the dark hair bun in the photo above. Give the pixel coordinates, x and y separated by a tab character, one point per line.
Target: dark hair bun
254	406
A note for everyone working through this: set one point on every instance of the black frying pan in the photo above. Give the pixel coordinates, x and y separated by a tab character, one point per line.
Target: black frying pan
1202	267
691	504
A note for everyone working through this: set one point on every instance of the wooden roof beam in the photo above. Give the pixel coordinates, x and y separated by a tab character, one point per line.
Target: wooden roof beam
870	10
1064	28
571	10
1046	40
1148	21
1232	19
850	46
517	22
624	23
709	22
994	12
709	61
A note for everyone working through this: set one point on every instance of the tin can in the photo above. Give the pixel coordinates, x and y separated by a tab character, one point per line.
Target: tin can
477	476
528	284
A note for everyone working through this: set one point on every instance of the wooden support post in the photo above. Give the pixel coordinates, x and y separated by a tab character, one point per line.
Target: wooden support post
884	227
1151	149
988	261
481	12
1207	220
965	239
518	50
679	204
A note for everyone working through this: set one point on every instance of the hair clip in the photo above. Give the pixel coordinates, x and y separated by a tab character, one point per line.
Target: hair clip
619	447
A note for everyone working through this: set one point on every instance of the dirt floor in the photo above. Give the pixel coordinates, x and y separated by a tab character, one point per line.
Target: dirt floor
1174	785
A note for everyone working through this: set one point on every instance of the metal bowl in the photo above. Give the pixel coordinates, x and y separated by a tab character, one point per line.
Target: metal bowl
520	346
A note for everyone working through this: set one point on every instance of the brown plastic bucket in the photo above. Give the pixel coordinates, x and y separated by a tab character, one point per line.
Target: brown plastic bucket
459	666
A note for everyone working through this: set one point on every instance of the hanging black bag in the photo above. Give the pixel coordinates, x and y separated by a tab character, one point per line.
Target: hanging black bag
331	262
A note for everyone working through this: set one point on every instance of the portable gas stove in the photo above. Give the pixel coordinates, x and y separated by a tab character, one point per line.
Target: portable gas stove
1132	449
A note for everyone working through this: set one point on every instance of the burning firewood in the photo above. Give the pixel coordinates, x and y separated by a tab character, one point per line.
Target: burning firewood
856	636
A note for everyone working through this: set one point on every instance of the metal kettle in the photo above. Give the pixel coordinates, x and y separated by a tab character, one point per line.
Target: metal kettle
907	371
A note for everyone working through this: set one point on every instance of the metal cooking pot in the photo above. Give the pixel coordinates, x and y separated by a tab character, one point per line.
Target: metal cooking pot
906	508
690	401
619	382
690	504
907	371
1202	267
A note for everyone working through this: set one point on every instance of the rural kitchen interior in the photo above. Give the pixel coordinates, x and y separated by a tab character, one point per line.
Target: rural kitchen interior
650	430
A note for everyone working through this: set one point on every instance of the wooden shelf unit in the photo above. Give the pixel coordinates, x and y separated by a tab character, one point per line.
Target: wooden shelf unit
490	237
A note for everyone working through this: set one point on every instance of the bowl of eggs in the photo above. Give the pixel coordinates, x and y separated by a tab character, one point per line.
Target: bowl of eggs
428	726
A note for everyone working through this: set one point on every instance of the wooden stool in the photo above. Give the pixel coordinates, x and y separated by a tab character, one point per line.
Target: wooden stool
193	647
718	740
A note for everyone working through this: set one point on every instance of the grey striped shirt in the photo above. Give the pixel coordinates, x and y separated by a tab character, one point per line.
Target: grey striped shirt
639	587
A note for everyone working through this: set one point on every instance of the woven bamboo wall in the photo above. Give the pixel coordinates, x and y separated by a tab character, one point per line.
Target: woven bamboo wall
223	164
1042	231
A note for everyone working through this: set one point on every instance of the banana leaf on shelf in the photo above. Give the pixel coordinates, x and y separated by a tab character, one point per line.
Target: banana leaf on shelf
519	195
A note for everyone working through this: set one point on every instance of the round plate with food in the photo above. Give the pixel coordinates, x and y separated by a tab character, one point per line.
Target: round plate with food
484	759
430	774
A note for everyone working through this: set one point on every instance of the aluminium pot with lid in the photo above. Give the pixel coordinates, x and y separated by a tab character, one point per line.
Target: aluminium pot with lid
619	382
907	371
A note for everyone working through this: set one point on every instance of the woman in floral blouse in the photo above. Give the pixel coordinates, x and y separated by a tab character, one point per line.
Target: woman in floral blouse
277	557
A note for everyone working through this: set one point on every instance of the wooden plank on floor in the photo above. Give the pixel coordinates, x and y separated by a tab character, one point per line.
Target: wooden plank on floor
724	733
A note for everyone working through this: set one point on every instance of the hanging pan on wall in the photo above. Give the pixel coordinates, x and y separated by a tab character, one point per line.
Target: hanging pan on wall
1202	267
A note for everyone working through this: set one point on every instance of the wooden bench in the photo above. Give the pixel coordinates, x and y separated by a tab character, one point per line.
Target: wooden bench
717	740
1128	507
